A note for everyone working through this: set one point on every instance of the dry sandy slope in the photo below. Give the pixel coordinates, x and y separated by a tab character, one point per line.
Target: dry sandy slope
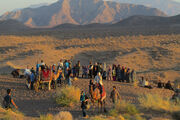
33	104
156	57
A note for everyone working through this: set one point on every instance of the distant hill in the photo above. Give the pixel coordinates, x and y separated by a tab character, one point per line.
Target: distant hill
170	7
12	26
150	21
79	12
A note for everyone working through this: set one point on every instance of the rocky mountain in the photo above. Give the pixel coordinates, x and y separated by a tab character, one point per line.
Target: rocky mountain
170	7
79	12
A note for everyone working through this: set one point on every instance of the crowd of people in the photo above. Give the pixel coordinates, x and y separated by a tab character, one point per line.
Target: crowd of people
96	72
67	70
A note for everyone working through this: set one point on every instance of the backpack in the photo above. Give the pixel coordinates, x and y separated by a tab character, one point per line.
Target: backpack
5	105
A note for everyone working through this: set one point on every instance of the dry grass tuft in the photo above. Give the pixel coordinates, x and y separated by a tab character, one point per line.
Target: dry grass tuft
68	96
158	103
64	115
10	115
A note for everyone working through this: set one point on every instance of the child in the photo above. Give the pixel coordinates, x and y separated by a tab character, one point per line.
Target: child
84	102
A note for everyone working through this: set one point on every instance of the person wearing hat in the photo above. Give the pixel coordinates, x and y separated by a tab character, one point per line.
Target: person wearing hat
8	101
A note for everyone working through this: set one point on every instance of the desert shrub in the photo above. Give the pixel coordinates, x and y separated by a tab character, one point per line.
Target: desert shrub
124	107
101	117
158	103
134	117
68	96
63	116
11	115
46	117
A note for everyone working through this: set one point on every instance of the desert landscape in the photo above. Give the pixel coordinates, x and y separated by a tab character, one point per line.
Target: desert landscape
143	36
155	57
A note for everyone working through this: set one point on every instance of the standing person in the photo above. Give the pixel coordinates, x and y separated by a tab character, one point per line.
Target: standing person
8	101
109	73
90	67
42	65
114	72
128	75
118	73
68	76
60	65
114	95
74	71
78	66
27	74
37	68
59	79
123	73
32	78
104	74
84	102
133	76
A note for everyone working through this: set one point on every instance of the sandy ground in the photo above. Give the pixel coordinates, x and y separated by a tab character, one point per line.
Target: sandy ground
156	57
33	104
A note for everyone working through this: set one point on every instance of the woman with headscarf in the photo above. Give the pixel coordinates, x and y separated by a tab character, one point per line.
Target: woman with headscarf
109	73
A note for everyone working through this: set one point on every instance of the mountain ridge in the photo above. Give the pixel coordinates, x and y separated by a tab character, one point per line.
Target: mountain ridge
170	7
79	12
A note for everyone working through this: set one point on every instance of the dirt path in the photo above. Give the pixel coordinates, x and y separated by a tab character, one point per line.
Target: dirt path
34	104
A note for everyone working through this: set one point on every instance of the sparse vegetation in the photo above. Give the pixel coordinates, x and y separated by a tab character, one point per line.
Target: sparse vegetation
63	115
158	103
125	110
10	115
68	96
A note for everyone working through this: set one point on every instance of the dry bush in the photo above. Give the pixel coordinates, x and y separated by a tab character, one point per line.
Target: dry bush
10	115
158	103
68	96
125	111
124	107
64	115
46	117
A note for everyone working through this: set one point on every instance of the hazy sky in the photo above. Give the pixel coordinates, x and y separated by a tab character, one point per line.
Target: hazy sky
9	5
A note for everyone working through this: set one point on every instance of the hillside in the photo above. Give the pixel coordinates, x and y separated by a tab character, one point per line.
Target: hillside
79	12
12	26
156	57
150	21
170	7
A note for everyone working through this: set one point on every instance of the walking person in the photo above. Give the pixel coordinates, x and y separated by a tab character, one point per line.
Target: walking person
114	95
8	101
84	102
